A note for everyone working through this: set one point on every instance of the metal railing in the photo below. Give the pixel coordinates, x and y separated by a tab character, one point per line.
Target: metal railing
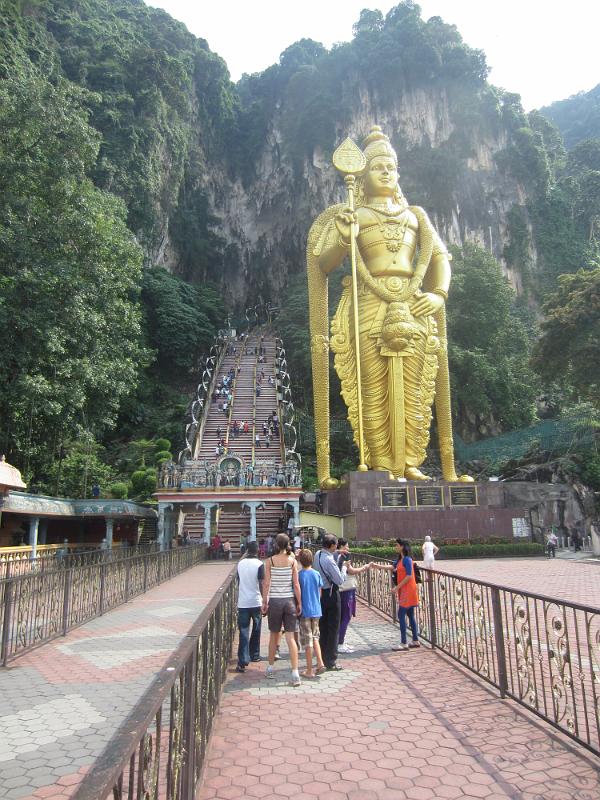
286	408
159	751
38	607
542	652
58	558
209	370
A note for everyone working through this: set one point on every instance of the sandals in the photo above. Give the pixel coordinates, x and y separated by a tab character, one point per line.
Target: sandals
311	677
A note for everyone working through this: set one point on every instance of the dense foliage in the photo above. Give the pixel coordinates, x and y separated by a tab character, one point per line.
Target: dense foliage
452	551
489	345
152	81
116	124
311	91
69	277
90	344
577	117
569	348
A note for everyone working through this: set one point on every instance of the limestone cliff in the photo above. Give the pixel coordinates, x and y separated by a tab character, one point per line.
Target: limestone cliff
222	181
264	222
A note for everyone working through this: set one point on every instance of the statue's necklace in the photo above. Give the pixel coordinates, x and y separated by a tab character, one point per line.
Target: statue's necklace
392	230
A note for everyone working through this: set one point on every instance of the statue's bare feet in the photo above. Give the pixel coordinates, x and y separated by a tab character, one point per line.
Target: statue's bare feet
414	474
452	477
330	483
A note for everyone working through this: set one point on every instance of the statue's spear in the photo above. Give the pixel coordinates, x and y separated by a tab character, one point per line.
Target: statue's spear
350	160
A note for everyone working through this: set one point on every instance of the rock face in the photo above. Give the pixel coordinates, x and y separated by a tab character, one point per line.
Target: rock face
222	181
264	221
566	507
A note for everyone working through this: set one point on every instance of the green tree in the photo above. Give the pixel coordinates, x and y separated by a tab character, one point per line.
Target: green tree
69	272
489	346
569	347
81	467
180	320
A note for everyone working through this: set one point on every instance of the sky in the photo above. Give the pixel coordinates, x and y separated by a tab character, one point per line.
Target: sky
545	50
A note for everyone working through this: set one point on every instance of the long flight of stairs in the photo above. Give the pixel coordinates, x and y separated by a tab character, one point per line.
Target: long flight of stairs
246	406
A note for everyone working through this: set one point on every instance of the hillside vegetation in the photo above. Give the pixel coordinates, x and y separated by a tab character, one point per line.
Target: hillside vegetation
122	140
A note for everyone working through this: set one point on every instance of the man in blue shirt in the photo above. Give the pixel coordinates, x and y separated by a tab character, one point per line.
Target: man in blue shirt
329	624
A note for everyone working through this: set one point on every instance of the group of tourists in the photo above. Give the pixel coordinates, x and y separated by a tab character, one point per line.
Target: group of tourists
311	599
270	431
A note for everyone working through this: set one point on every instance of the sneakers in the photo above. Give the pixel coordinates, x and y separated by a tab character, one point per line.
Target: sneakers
258	658
239	668
397	647
294	681
270	673
277	655
334	668
412	645
345	648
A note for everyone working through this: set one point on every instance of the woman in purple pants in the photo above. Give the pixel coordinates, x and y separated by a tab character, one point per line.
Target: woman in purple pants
347	591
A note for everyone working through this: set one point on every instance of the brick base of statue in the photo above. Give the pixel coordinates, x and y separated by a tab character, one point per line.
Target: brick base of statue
373	505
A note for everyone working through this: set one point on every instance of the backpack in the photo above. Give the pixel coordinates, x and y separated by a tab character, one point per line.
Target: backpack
416	571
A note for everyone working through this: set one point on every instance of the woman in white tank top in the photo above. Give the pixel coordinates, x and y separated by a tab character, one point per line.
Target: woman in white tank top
282	603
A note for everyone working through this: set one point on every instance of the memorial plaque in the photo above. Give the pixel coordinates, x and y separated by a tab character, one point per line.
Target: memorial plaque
521	529
463	495
394	497
430	496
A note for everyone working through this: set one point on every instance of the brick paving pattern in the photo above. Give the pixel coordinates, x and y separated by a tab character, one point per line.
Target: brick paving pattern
395	726
576	581
60	704
391	726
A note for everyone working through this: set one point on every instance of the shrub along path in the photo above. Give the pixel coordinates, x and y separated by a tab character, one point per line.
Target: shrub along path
390	726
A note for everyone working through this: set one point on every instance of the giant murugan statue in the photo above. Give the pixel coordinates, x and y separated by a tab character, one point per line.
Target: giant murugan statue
394	306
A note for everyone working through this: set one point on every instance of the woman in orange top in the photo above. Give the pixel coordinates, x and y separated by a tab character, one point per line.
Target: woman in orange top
408	595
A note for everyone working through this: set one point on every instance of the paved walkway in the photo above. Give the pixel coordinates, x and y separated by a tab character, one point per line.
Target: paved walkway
573	580
391	726
60	704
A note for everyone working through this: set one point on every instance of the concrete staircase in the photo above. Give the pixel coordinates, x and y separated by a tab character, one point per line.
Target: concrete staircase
246	406
149	533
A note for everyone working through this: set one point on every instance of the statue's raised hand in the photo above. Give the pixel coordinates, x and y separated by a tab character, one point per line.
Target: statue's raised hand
344	221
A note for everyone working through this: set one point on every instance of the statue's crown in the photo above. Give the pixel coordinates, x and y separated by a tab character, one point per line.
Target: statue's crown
378	144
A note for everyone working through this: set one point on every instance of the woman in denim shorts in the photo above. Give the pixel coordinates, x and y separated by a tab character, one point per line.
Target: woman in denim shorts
281	601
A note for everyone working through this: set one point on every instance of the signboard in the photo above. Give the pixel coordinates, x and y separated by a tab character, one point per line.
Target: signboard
463	495
394	497
521	529
430	496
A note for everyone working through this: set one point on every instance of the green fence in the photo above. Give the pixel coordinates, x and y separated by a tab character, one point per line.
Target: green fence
557	436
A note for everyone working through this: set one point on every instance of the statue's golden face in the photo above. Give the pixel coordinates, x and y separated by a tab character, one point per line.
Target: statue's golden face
381	177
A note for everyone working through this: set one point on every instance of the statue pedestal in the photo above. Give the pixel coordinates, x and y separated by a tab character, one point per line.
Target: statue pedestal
373	505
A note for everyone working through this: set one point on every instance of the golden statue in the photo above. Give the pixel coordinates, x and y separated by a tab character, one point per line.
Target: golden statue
394	306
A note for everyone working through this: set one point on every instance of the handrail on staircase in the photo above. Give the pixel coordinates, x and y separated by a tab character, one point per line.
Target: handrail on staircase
199	405
237	368
286	407
254	408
